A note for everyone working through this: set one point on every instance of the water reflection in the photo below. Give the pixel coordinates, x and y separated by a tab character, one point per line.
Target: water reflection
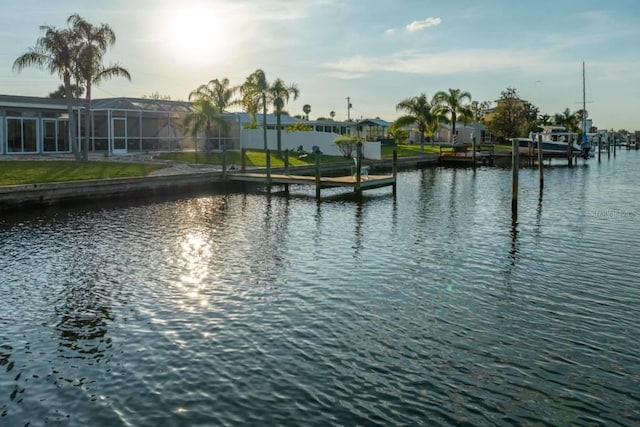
83	320
358	227
430	337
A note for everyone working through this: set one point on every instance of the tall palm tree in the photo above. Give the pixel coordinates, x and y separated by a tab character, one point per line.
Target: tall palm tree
332	114
421	113
203	118
280	93
55	51
306	108
219	94
567	119
92	44
452	103
253	96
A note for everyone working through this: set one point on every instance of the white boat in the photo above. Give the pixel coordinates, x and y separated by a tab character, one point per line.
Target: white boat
553	143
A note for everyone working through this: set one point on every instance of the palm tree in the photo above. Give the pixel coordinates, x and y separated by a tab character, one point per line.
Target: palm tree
202	119
217	93
544	119
280	93
421	113
451	103
55	51
332	114
92	44
306	108
567	119
254	93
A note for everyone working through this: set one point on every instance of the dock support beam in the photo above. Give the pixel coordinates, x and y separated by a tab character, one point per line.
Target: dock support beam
395	172
268	171
515	165
286	170
540	163
473	149
358	167
317	153
243	159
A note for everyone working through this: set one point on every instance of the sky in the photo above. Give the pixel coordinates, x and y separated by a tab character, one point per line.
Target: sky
374	52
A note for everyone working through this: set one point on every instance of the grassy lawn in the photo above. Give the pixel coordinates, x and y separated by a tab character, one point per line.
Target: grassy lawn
36	172
406	150
257	158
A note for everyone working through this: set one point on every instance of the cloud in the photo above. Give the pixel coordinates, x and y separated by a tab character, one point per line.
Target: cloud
419	25
449	62
390	32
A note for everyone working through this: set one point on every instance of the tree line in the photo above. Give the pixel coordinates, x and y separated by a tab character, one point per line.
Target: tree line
76	55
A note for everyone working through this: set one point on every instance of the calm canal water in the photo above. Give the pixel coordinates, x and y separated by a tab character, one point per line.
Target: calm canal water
236	309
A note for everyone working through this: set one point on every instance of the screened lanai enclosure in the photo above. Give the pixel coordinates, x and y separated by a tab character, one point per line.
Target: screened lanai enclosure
126	125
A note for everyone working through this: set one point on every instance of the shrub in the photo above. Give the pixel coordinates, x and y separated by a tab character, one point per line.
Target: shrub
347	145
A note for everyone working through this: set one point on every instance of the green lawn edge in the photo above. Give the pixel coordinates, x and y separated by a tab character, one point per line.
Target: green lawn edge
21	172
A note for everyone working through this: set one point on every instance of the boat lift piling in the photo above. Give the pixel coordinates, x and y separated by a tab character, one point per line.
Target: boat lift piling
515	165
540	163
317	154
268	153
286	169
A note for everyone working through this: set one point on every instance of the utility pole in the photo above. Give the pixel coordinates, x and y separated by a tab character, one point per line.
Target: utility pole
348	109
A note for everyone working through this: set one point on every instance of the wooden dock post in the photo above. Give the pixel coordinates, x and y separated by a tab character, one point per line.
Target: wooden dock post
243	159
515	165
569	148
614	145
286	169
224	160
395	171
540	162
358	168
268	171
473	147
599	147
318	154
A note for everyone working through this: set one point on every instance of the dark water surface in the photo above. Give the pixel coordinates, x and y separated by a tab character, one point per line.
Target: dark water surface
241	309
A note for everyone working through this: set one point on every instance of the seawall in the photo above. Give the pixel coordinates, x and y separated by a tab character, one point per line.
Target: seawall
33	195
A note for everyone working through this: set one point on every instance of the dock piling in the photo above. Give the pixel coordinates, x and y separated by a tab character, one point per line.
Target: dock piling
395	171
515	165
358	167
540	163
317	153
268	171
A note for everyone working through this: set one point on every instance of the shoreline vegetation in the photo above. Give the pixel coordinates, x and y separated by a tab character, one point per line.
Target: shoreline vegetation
20	171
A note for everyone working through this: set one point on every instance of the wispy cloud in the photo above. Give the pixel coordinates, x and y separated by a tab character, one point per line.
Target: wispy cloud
426	23
449	62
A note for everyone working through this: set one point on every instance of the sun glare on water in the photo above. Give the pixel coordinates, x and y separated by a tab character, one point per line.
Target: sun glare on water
199	35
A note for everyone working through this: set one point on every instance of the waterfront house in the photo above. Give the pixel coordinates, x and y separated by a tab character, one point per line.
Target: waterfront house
34	125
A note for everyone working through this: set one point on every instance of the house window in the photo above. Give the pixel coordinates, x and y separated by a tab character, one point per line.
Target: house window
55	137
22	135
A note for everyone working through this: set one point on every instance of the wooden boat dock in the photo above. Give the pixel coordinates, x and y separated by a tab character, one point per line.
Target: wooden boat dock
358	181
